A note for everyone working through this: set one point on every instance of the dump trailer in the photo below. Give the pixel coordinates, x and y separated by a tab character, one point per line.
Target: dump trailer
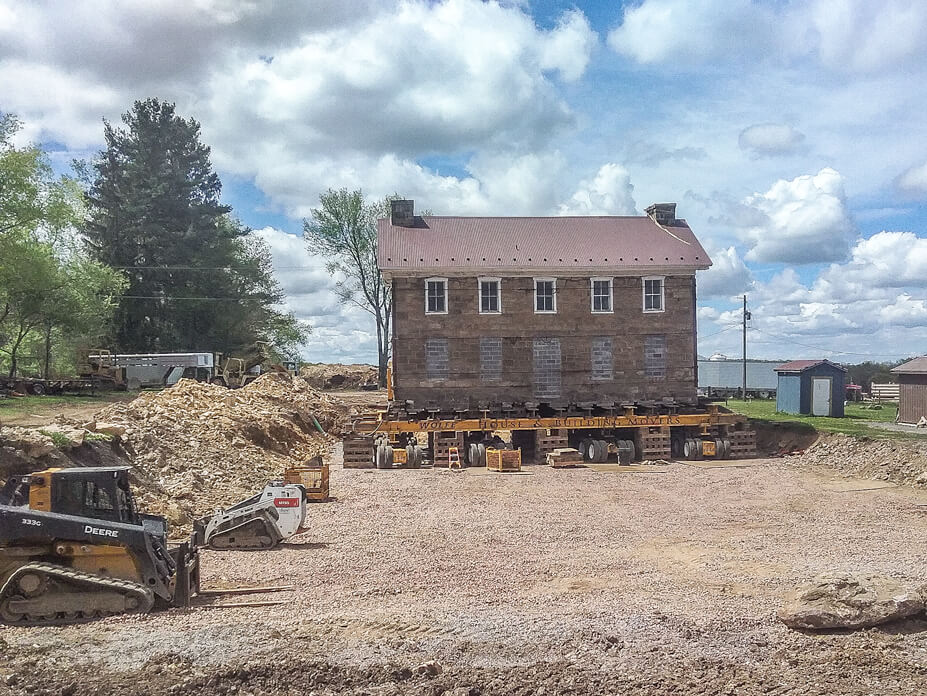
73	547
384	439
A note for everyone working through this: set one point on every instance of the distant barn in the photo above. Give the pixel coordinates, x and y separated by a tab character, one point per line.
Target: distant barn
912	390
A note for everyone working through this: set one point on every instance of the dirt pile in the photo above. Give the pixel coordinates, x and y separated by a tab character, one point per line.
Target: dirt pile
884	460
197	447
323	376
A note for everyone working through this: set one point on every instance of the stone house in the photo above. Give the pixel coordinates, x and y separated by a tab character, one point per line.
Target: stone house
541	312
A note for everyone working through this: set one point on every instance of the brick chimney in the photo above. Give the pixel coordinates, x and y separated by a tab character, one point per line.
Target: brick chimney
402	213
663	213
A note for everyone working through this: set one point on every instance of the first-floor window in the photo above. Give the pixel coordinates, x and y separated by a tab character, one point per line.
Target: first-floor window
601	294
490	296
436	296
545	295
653	294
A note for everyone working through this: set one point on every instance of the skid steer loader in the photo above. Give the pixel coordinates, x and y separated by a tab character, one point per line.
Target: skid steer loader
73	547
259	522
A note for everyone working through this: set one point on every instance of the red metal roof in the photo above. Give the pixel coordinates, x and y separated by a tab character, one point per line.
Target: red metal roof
802	365
580	243
918	366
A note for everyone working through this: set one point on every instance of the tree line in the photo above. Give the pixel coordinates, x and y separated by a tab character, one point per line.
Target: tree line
135	251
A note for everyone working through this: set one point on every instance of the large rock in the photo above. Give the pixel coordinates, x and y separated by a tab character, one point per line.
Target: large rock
848	600
31	442
112	429
73	437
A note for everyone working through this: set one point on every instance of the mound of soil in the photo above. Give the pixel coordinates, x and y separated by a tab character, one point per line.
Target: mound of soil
897	461
197	446
323	376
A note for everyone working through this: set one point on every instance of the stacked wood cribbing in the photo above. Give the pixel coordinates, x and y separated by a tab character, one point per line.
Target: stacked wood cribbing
503	460
653	443
442	443
358	452
743	443
547	441
565	458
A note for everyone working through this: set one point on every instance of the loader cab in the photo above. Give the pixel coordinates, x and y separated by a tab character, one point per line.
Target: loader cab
100	493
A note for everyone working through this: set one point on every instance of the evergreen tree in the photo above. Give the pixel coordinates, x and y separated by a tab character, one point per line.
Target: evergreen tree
197	279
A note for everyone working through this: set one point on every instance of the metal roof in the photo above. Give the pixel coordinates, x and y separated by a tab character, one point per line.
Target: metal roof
514	243
802	365
918	366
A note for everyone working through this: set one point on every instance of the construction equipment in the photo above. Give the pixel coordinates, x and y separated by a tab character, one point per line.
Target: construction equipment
235	371
260	522
73	547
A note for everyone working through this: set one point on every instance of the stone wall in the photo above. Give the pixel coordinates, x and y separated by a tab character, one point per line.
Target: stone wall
574	355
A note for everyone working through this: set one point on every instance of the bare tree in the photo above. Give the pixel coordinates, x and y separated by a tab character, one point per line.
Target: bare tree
343	230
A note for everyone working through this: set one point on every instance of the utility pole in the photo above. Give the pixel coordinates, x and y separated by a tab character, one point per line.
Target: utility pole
743	393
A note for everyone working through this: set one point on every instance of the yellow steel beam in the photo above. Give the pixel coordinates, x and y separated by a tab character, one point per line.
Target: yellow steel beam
574	422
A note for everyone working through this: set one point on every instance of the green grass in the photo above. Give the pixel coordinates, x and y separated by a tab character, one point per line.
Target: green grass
855	422
21	406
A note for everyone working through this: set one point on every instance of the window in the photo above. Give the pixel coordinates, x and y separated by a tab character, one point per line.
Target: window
655	357
436	296
490	296
653	294
545	296
601	294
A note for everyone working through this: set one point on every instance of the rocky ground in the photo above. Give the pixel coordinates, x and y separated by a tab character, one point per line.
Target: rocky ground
898	461
546	582
325	376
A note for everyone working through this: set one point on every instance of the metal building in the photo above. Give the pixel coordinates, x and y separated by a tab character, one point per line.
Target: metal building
724	377
811	387
912	390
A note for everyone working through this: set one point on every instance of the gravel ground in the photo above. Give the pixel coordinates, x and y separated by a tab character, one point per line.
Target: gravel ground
548	582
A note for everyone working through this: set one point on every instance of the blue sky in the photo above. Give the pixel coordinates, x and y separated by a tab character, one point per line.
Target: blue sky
790	135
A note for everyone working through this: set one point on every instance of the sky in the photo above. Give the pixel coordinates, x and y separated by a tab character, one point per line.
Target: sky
791	135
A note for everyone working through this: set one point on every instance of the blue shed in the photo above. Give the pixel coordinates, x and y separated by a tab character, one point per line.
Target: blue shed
811	387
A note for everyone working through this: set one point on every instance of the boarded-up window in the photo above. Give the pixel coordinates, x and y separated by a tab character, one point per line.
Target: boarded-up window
546	368
601	349
436	358
655	356
490	359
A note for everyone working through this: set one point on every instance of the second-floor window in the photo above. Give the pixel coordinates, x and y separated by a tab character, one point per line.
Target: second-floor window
436	296
601	294
545	295
490	296
653	294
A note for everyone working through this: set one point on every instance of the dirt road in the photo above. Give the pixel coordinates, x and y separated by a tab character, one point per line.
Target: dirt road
547	582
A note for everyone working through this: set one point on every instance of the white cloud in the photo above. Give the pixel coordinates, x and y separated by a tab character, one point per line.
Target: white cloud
804	220
914	180
843	35
340	333
610	192
727	276
680	30
770	139
567	49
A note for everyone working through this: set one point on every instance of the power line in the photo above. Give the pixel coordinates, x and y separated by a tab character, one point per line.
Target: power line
176	297
825	350
732	326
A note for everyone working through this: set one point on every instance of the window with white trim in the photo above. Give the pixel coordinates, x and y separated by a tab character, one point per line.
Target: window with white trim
545	295
653	294
601	294
490	295
436	296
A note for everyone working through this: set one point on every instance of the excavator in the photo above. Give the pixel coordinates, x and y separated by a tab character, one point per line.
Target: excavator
73	547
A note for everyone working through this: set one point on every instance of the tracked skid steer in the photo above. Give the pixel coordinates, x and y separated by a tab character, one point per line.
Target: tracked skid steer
259	522
73	548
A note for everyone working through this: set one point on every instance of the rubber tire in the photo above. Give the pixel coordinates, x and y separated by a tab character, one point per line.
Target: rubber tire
688	449
473	455
633	450
380	457
410	457
590	451
584	448
416	456
698	450
727	447
481	453
719	448
37	389
389	457
601	451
